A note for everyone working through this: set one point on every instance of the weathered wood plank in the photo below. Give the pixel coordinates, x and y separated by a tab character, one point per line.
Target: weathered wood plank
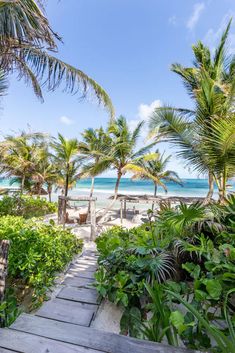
84	267
66	311
86	263
83	295
4	249
16	341
81	272
89	337
74	281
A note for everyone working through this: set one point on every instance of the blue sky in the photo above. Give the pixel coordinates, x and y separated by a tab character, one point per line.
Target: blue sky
128	47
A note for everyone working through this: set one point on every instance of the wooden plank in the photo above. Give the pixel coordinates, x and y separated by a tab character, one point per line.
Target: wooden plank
66	311
83	295
78	198
93	220
16	341
84	262
93	307
84	266
74	281
81	272
89	337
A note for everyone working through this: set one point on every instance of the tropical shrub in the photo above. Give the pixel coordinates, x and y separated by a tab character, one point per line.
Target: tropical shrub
37	252
128	259
183	257
26	206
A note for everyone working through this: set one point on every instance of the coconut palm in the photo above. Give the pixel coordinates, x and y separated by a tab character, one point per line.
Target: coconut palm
46	172
20	156
27	44
121	152
94	145
67	161
153	167
211	86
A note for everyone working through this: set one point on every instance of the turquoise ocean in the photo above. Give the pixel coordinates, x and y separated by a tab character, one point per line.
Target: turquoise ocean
104	187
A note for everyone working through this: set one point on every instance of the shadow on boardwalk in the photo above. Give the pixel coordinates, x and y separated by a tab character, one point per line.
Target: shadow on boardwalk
63	324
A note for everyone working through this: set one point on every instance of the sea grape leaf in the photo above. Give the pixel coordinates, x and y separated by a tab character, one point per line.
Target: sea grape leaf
213	287
177	320
193	269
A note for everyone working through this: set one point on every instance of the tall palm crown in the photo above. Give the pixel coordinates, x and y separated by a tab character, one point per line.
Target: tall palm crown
67	160
94	144
154	168
20	156
122	151
27	43
200	134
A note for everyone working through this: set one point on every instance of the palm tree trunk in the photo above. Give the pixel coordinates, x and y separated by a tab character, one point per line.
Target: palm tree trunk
155	194
223	191
22	184
91	192
119	175
49	191
92	186
155	189
66	182
211	188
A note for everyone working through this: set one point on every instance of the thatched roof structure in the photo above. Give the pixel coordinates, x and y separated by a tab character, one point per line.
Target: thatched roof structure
148	198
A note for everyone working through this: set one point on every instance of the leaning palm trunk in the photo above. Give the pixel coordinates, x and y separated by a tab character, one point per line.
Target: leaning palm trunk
49	190
22	184
91	193
155	194
211	188
109	208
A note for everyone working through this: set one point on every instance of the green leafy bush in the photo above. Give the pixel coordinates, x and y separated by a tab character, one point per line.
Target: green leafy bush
26	206
128	259
184	256
37	252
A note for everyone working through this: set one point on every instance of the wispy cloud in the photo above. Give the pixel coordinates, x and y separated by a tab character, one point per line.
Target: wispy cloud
144	113
194	18
213	35
172	20
66	121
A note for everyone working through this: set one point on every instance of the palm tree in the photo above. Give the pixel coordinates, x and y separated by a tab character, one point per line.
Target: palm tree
20	156
67	161
121	152
26	45
46	172
153	167
211	86
94	145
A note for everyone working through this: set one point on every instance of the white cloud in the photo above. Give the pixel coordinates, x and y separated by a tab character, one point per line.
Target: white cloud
213	36
65	120
172	20
144	112
194	18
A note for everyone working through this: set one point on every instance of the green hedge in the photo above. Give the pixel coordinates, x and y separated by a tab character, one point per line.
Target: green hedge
37	251
26	206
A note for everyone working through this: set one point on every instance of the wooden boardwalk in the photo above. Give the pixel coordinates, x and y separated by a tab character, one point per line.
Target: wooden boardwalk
62	325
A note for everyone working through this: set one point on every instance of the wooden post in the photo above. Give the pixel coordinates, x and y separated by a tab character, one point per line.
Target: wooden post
125	208
93	220
4	249
121	213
